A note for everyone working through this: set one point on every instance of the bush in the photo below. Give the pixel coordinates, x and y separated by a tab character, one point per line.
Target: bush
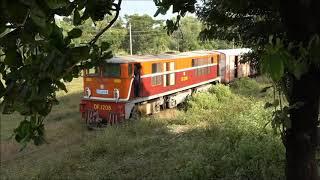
240	146
221	91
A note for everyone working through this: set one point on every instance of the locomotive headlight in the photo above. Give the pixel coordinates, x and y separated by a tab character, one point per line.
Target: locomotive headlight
116	94
87	92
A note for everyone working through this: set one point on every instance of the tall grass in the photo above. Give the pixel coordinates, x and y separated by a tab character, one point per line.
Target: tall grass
220	134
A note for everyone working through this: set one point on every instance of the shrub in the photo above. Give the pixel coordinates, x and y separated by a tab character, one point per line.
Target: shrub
221	91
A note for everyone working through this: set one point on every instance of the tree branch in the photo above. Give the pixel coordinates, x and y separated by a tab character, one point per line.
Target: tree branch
12	26
94	40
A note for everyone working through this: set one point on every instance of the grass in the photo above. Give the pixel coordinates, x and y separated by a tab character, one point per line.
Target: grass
68	107
220	134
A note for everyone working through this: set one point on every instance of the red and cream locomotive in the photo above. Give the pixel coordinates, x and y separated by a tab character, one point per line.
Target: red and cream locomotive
129	84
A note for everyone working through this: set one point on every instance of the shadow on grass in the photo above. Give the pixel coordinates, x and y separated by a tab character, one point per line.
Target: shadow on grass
153	150
62	124
252	87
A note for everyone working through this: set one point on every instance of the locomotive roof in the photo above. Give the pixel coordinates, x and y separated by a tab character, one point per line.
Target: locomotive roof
137	58
234	52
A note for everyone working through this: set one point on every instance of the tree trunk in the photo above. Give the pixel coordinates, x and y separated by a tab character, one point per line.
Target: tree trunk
301	139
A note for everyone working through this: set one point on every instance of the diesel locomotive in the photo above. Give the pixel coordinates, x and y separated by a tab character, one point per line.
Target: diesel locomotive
125	86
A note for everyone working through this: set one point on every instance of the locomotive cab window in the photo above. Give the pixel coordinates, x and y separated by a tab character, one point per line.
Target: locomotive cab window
112	70
92	72
129	70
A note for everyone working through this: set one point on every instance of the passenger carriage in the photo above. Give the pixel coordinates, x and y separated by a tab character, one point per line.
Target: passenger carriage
230	67
126	85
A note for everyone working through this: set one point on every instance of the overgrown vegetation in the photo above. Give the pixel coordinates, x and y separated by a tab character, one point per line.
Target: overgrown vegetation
221	134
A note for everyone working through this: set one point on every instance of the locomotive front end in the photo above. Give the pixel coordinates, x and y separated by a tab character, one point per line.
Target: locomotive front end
106	89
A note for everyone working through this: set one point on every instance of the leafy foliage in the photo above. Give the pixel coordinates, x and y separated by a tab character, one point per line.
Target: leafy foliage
37	57
147	35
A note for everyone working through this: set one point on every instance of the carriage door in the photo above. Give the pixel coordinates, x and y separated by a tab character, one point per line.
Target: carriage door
231	67
236	66
137	80
222	66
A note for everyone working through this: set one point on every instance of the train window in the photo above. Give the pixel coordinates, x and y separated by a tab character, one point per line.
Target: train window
200	62
93	71
212	60
156	80
156	67
193	62
112	70
129	70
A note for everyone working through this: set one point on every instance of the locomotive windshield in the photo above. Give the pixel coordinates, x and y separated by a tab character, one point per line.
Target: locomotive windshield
93	71
112	70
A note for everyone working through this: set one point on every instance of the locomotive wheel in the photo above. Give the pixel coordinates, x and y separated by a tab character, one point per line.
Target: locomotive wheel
135	113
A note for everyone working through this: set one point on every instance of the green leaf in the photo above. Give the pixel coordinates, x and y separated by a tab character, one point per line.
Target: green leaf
61	86
76	18
161	10
105	46
56	37
56	4
274	104
68	77
2	29
265	89
75	33
2	89
273	63
287	123
38	16
45	109
23	131
67	40
300	69
80	53
276	67
106	56
13	58
268	105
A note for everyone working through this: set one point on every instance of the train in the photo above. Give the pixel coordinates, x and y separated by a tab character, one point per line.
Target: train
126	86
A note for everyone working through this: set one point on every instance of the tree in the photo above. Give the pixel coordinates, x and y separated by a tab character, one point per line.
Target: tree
187	35
37	57
114	36
284	36
186	38
147	35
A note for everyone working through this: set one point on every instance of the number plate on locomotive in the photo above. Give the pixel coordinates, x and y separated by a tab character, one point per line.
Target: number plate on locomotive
102	107
102	91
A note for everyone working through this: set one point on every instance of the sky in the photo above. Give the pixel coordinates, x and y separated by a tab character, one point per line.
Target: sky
142	7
